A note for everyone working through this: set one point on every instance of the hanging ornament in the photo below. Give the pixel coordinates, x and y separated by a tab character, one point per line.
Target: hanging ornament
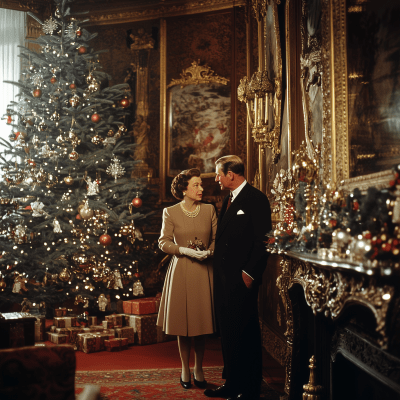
78	33
82	50
102	302
97	139
94	86
69	180
73	156
137	288
49	26
52	180
117	279
41	175
37	93
105	239
74	100
115	169
110	133
60	139
95	118
92	187
55	116
35	140
37	209
137	202
72	86
125	102
31	163
46	151
42	126
64	275
3	284
86	212
56	226
53	80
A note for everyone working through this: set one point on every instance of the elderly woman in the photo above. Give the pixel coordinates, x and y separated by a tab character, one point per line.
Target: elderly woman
187	309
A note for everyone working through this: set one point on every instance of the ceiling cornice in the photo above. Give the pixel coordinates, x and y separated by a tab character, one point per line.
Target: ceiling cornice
127	13
35	6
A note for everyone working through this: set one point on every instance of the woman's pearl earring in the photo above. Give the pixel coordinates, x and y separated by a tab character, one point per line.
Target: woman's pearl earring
184	193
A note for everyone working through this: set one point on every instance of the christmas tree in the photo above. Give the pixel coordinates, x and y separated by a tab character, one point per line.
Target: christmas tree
69	206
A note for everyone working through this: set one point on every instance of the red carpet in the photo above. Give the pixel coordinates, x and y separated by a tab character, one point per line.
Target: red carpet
154	384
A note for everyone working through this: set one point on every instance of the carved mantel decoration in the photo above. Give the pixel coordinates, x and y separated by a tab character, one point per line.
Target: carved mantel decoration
329	291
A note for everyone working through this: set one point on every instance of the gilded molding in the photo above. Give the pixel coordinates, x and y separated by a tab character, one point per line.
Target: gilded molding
197	74
379	180
163	106
339	63
326	150
35	6
191	7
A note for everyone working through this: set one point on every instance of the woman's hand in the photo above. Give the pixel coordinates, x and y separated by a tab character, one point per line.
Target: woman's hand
197	254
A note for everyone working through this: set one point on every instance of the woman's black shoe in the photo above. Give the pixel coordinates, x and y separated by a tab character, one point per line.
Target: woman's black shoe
185	385
200	384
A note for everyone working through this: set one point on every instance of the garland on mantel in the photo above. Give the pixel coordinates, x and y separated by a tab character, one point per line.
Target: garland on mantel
357	227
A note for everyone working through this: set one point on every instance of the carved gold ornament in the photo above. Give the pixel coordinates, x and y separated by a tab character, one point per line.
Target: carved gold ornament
197	74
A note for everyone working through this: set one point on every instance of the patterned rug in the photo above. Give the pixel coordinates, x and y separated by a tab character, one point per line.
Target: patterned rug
153	384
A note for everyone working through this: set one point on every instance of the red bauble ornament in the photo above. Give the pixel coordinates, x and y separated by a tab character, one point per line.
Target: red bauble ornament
125	102
78	33
78	216
32	163
53	80
105	239
37	93
137	202
73	156
9	120
82	50
72	86
28	208
95	118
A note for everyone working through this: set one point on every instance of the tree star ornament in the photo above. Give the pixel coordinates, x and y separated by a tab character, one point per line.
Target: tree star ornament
49	26
115	169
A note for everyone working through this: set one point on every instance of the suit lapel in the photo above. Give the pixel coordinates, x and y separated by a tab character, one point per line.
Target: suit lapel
226	216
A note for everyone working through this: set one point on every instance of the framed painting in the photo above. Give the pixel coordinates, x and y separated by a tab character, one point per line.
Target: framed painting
198	121
366	78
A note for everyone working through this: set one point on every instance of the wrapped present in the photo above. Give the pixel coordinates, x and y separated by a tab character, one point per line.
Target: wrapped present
60	312
96	328
52	328
102	337
108	324
110	333
73	333
59	322
92	321
109	318
144	306
80	338
91	343
57	338
116	344
144	327
62	331
40	328
125	332
118	320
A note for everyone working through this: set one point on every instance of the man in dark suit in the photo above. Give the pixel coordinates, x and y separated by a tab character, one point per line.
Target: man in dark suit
239	262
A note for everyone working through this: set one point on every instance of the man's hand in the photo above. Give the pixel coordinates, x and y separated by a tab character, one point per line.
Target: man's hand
247	280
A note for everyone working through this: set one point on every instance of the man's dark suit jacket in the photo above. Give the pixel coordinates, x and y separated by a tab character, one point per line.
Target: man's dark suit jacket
240	246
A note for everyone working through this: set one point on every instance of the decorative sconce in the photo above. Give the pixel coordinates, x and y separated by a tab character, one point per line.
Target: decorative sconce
262	93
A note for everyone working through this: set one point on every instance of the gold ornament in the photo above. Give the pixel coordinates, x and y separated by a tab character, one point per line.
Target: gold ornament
110	133
69	180
86	212
52	180
74	100
73	156
64	275
97	139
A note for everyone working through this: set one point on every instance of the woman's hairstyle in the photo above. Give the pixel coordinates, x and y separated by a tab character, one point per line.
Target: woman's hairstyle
231	163
180	182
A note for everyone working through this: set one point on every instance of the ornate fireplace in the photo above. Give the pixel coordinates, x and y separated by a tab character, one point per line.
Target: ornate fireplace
347	316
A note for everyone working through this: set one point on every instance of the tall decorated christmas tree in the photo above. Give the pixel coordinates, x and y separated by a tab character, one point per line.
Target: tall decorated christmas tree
69	207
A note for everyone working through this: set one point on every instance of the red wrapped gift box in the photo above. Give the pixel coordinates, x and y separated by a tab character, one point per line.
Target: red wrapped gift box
118	319
57	338
125	332
144	327
108	324
116	344
92	321
148	305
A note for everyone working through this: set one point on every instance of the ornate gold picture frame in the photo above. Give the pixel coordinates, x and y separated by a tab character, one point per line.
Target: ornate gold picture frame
364	136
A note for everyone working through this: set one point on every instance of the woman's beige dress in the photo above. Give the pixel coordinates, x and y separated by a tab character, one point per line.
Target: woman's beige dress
187	307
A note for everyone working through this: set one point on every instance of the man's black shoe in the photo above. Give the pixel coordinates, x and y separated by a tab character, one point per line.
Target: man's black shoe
221	391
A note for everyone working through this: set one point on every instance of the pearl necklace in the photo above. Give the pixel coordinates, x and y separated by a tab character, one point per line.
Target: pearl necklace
191	214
